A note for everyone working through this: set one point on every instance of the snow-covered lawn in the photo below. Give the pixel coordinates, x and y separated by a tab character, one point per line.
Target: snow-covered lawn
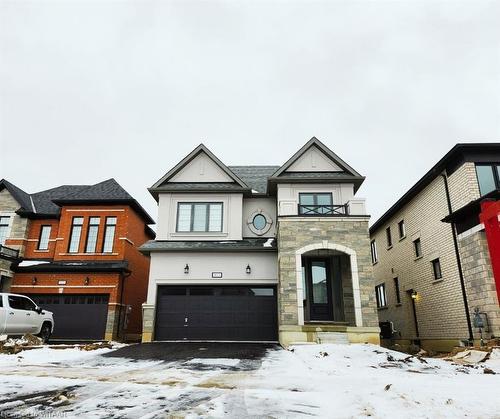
311	380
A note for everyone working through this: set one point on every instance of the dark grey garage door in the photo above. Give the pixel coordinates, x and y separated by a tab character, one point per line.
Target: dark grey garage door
78	317
233	313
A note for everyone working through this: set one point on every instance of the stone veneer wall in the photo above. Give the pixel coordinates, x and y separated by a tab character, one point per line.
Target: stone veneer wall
19	230
297	232
479	280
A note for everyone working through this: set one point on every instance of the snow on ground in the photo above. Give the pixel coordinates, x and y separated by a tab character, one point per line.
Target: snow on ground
327	380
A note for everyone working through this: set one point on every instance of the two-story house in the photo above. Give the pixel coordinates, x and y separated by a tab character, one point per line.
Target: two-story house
436	254
80	259
261	253
13	229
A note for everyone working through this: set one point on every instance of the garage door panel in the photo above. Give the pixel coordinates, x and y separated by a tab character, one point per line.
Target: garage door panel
216	313
79	317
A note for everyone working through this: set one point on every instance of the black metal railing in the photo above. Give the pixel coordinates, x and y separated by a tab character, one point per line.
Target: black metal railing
323	210
8	252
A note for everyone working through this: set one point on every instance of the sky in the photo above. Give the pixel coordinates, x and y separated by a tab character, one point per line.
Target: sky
91	90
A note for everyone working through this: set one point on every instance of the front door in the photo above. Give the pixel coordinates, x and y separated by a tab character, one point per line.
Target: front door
319	284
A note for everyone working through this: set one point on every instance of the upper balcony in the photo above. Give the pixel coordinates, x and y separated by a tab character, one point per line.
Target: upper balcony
8	253
323	210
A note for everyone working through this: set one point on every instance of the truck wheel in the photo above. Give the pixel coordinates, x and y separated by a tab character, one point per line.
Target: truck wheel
45	332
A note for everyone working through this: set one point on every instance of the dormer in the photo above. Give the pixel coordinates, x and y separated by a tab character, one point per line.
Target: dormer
316	182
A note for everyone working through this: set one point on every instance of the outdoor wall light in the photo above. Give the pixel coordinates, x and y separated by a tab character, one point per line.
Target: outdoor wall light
414	294
33	281
248	269
186	269
87	281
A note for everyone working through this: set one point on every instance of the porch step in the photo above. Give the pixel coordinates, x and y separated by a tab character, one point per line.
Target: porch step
332	337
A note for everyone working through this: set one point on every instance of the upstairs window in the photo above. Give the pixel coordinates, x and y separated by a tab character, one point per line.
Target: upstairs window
488	177
380	295
4	228
396	290
402	229
373	245
200	217
389	236
76	233
43	241
109	235
92	233
436	269
315	203
417	245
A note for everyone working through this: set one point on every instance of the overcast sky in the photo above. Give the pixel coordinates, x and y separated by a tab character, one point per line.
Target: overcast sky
97	89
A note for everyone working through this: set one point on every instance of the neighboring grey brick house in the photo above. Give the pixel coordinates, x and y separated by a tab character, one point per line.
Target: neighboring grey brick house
261	253
13	229
426	286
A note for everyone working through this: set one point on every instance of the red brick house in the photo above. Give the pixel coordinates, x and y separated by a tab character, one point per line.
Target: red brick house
80	260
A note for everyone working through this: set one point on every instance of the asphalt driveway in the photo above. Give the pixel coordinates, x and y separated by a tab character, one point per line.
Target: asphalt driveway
186	351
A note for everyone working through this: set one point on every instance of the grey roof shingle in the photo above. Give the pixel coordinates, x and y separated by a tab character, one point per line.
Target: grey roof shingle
254	176
45	203
245	245
200	187
69	266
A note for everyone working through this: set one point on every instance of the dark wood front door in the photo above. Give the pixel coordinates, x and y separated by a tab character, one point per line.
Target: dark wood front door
319	288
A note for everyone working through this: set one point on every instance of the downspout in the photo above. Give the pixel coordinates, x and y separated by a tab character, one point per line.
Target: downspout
459	262
123	276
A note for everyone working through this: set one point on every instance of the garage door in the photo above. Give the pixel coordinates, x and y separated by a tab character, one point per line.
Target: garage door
232	313
78	317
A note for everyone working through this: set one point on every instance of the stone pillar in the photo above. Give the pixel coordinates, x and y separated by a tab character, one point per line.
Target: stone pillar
148	315
112	323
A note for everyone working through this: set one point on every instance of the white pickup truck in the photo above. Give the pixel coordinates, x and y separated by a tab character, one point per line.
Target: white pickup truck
20	315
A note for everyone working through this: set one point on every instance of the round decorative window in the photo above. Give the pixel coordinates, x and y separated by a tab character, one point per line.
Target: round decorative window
259	222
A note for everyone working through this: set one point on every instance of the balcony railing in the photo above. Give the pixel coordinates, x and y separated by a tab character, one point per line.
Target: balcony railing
7	252
323	210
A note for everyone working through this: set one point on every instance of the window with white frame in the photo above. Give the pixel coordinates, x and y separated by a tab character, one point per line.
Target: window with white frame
43	242
199	217
76	233
109	235
4	228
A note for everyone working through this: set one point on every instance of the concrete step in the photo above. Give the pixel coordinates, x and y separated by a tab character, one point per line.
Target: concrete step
332	337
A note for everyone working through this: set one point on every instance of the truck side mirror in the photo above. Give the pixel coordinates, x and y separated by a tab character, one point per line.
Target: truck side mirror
38	310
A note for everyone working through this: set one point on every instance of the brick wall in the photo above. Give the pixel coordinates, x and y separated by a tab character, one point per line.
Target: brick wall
439	305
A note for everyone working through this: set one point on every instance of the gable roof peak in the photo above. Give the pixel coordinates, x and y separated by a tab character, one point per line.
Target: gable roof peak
325	150
186	160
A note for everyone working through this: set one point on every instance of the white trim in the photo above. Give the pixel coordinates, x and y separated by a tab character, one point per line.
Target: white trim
295	218
215	282
325	244
95	210
126	239
470	231
88	254
63	286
